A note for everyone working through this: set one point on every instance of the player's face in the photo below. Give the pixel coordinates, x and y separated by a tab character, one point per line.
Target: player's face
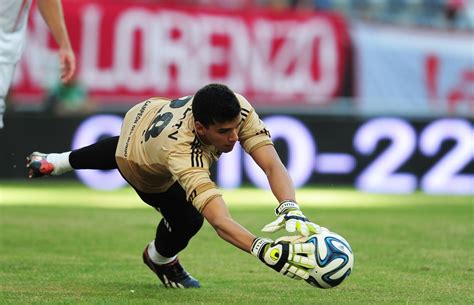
221	135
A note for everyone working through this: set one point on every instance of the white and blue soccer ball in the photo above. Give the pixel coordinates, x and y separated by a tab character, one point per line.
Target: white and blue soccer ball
334	259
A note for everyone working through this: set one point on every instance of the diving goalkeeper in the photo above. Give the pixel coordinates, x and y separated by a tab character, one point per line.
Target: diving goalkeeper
165	150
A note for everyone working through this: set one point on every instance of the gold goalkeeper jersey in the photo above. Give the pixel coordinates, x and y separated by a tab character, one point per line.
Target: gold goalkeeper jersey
159	146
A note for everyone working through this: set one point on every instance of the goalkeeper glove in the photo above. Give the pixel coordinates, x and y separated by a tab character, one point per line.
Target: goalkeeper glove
292	260
292	219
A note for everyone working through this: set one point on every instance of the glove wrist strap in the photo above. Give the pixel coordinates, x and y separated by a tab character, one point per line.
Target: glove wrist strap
258	245
285	206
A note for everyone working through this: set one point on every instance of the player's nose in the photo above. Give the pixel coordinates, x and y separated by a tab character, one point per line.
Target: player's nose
233	136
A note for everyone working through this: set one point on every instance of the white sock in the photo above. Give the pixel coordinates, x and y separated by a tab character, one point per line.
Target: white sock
60	162
156	257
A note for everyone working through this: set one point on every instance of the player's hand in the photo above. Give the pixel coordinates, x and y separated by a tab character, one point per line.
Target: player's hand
292	260
67	63
292	219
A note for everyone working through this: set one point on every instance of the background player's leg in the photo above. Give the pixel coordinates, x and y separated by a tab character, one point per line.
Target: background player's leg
2	109
6	75
100	155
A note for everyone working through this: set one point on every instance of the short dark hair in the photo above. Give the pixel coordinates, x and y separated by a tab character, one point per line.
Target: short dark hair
215	103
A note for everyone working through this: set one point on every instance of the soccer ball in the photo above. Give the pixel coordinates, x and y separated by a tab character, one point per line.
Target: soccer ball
334	259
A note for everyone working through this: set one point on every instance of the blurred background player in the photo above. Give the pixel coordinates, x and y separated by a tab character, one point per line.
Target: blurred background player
13	22
69	99
165	151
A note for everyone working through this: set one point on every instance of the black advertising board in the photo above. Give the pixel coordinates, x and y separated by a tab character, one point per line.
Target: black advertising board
380	154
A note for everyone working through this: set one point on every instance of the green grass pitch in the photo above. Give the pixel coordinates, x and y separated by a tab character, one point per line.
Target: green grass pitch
62	243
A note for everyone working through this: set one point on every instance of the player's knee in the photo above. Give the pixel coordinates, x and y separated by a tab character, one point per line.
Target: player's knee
193	226
185	227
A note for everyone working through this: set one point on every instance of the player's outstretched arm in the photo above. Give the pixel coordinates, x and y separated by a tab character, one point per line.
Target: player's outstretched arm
217	214
52	13
292	260
289	215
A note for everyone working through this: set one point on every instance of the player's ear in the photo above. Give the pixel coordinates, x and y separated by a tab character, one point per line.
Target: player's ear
200	128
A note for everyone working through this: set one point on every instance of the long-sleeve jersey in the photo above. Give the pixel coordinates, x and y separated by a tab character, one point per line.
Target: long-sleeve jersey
158	146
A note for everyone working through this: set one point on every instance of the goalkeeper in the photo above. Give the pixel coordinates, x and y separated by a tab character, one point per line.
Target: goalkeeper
165	150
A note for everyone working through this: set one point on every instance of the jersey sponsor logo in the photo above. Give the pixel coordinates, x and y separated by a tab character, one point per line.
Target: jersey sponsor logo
178	125
142	110
134	125
263	131
173	135
178	103
192	195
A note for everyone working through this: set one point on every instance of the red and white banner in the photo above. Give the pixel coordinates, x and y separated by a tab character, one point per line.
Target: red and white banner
128	52
417	72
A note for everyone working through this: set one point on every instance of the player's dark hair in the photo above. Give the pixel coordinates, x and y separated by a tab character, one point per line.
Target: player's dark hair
215	103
